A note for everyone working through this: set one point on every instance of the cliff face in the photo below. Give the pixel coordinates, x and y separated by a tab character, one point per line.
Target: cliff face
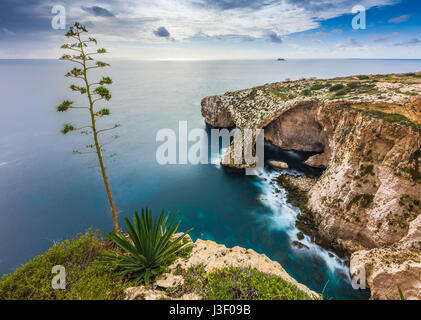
287	131
368	135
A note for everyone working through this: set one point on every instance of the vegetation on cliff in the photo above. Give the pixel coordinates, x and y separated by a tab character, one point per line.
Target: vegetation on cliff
88	278
149	247
236	283
377	95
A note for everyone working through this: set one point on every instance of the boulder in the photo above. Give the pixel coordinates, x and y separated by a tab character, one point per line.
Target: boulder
278	164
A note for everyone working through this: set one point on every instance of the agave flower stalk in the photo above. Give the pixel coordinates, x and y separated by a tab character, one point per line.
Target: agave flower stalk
95	92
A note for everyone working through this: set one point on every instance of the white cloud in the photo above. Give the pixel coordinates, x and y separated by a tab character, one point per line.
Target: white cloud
136	21
130	27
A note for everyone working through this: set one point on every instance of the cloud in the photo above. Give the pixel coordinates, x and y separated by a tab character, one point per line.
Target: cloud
315	35
385	38
349	43
136	21
247	38
161	32
273	37
400	19
98	11
327	9
234	4
7	31
409	42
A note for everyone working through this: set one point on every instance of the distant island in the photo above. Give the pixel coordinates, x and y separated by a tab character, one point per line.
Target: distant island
281	59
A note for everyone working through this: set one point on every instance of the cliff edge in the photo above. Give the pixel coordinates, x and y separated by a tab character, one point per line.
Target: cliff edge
367	133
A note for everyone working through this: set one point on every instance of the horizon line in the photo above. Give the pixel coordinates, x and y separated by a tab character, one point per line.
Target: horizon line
228	59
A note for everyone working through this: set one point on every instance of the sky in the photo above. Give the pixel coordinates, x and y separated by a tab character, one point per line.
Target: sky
218	29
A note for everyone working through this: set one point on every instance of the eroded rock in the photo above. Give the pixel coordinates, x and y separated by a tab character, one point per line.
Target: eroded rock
278	164
368	132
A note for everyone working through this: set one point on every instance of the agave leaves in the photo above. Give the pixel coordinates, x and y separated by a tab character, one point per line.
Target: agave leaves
150	247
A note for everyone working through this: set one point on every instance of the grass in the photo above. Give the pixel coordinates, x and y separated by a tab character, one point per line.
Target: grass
285	92
235	283
86	279
393	117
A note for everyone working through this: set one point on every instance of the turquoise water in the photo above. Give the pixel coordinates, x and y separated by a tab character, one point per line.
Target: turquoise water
49	194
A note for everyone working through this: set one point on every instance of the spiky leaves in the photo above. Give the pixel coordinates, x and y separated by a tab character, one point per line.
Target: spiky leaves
150	247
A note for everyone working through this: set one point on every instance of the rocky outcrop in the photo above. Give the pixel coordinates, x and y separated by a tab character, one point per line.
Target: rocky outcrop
215	112
368	133
388	268
278	164
211	256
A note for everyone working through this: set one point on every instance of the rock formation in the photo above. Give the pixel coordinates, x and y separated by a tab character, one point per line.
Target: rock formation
211	255
367	131
278	164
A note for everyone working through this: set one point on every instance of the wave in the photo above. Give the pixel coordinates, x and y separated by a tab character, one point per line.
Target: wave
283	217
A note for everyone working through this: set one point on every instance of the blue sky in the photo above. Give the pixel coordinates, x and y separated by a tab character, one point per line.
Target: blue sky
218	29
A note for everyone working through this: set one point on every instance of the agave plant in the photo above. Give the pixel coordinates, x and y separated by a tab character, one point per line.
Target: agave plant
150	246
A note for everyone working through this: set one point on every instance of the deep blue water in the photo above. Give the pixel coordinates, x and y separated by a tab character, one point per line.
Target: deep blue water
49	194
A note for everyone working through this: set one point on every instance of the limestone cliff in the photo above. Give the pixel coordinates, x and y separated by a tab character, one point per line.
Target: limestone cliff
367	131
210	256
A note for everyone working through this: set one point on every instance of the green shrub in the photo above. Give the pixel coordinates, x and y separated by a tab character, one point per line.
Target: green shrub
85	278
341	92
150	248
234	283
317	86
336	87
363	77
365	170
306	92
364	200
393	117
353	85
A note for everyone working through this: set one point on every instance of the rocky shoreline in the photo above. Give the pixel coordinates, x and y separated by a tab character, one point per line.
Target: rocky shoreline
367	131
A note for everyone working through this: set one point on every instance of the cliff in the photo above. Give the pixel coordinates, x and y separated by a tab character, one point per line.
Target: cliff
190	278
367	131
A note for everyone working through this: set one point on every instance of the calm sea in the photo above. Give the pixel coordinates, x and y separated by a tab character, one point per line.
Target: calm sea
49	194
